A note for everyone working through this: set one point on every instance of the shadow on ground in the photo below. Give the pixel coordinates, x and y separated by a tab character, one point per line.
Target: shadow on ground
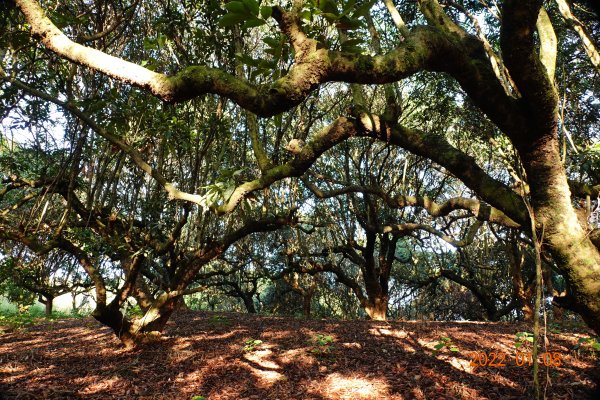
202	354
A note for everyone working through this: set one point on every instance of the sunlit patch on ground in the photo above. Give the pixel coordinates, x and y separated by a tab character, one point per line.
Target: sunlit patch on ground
265	369
261	357
459	363
367	360
298	356
102	385
338	386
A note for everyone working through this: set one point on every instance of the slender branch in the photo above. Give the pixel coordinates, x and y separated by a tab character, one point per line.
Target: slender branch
587	41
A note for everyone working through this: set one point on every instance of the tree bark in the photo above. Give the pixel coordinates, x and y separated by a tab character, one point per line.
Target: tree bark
377	307
577	258
249	304
119	323
48	303
306	304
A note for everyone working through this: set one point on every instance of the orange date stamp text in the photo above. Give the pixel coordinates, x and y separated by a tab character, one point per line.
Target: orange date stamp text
500	359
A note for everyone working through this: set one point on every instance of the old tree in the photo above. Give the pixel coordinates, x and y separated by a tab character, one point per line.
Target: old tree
185	120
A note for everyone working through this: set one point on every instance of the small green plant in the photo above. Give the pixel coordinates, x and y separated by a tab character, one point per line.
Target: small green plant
135	311
445	343
219	320
321	344
587	344
198	398
523	339
251	344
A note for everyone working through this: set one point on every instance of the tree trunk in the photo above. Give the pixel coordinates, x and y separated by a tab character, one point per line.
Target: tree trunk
249	304
181	305
377	307
157	316
306	304
48	303
119	323
557	223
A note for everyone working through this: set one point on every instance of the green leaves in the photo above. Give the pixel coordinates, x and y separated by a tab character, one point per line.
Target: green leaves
327	6
251	344
445	343
265	12
348	18
231	19
321	344
587	343
523	338
221	190
247	12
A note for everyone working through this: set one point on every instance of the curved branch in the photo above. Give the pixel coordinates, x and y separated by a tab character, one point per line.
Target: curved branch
462	165
407	228
425	48
482	211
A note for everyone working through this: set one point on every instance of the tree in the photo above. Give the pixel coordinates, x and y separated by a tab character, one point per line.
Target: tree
506	71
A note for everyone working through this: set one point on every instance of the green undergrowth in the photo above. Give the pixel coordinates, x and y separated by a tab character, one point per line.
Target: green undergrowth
11	320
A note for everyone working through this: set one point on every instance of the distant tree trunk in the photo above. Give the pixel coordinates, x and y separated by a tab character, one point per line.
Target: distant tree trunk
49	304
306	304
74	303
249	303
182	305
376	303
47	300
522	294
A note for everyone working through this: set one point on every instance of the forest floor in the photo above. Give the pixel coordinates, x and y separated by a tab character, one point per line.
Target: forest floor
202	354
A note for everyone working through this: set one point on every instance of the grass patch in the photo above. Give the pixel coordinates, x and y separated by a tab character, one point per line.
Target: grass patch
11	320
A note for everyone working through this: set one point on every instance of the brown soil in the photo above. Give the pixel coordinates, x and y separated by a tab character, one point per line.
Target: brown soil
201	354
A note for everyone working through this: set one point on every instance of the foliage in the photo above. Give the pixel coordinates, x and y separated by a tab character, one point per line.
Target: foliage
589	345
32	316
219	320
523	339
321	344
445	343
251	344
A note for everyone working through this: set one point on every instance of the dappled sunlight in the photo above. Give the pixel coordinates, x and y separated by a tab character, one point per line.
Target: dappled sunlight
353	345
222	336
260	357
400	337
354	386
101	385
266	378
460	364
298	356
366	361
264	369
